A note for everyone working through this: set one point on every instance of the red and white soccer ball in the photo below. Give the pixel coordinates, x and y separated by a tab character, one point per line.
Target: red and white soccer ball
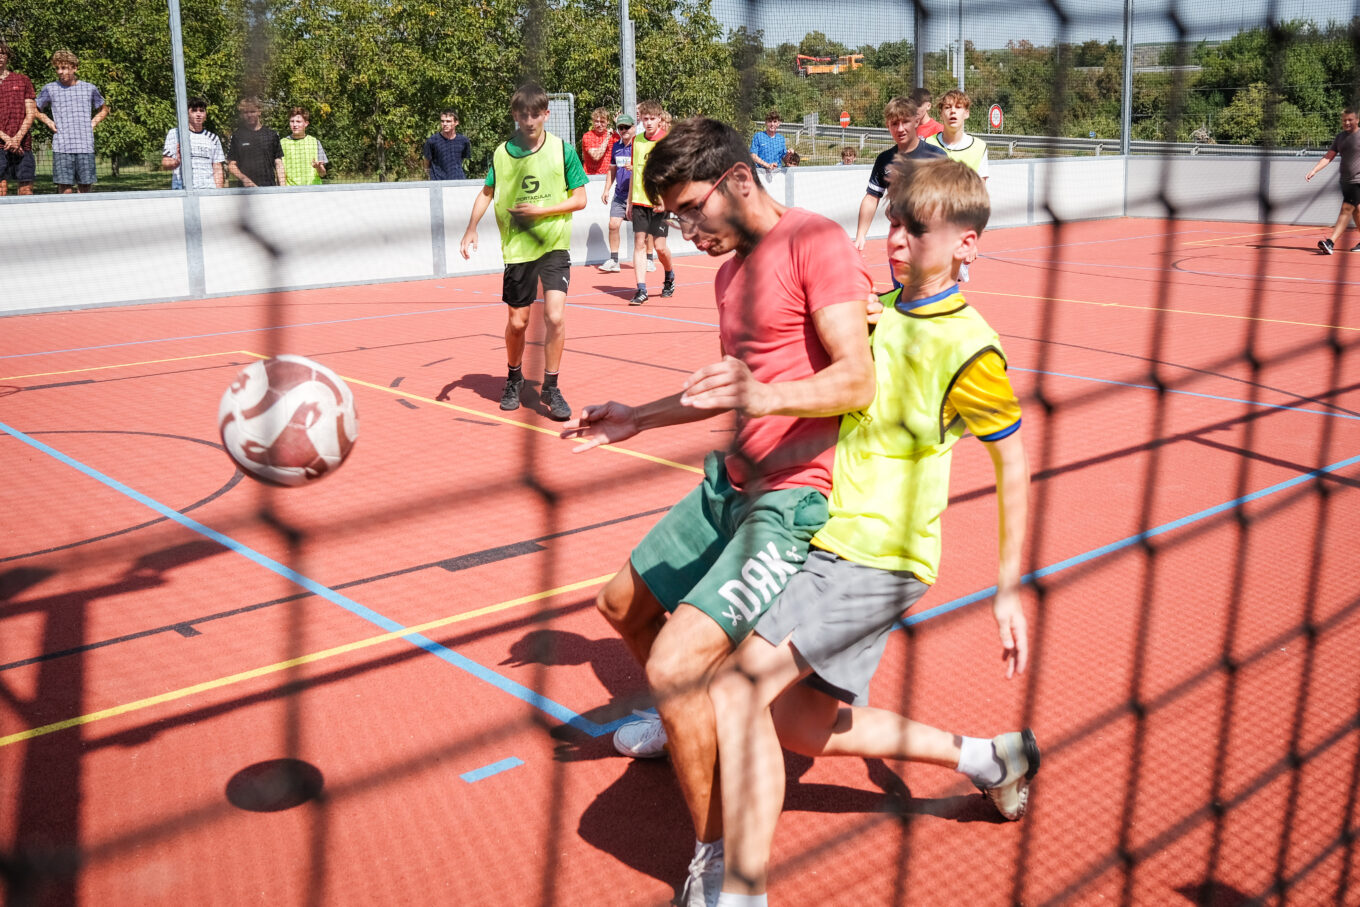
288	420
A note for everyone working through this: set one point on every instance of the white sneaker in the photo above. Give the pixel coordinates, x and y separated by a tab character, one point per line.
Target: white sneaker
651	265
642	739
704	883
1019	753
610	267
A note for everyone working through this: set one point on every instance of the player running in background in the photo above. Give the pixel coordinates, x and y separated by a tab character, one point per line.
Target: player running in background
902	116
646	220
535	182
619	179
939	373
960	145
1347	145
795	355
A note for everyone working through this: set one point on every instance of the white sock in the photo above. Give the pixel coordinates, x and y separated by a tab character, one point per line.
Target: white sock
728	899
978	761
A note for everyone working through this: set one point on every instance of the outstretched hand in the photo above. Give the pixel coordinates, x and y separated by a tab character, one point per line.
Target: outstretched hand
606	424
1010	621
727	384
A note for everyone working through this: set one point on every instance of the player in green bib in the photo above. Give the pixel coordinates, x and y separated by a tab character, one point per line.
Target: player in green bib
534	183
304	160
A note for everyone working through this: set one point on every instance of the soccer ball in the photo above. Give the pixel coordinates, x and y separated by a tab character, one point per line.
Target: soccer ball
288	420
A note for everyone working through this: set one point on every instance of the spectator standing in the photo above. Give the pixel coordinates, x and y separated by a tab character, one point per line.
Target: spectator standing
619	178
71	102
597	143
848	155
446	150
927	127
1346	144
16	117
255	155
205	150
768	148
304	160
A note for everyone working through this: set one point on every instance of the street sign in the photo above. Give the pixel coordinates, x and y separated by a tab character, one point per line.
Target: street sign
994	116
845	118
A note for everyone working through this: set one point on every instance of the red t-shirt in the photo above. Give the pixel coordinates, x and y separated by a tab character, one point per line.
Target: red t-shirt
765	305
929	127
14	91
593	139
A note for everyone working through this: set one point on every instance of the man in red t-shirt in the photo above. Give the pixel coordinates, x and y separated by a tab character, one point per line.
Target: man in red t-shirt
791	322
597	143
920	97
16	116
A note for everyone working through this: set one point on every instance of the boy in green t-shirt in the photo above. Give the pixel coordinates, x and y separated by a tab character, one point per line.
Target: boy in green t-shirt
304	160
541	181
940	373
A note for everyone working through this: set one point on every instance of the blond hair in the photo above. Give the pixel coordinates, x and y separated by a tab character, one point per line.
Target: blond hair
923	191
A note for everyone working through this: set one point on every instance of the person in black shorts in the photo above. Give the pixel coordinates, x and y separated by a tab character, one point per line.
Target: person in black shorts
1347	145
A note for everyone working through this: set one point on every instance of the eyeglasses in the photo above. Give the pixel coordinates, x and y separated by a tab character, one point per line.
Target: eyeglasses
693	216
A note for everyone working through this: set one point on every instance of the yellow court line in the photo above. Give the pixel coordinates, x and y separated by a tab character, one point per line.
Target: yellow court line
1249	235
100	368
292	663
1153	308
398	392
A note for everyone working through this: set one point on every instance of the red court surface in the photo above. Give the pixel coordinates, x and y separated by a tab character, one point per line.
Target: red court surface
419	629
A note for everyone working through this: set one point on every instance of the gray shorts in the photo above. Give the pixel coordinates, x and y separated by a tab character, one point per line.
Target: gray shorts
618	208
73	169
838	615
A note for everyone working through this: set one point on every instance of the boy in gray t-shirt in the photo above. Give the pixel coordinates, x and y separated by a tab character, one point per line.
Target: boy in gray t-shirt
72	102
1346	144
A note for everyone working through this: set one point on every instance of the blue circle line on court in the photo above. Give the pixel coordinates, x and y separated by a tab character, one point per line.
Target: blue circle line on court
555	709
494	768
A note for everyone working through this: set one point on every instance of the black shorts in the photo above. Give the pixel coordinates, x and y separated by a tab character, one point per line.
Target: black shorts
647	222
1350	193
17	165
520	285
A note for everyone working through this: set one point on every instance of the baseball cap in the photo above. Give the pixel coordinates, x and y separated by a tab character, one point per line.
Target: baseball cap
624	120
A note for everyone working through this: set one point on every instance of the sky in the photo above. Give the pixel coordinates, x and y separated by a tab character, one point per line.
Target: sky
991	23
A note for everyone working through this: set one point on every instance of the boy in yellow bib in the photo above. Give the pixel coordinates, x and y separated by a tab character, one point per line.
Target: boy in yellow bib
535	181
940	373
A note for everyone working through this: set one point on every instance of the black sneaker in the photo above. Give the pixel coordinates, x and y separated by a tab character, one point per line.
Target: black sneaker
1356	247
510	396
558	410
1325	246
638	298
668	289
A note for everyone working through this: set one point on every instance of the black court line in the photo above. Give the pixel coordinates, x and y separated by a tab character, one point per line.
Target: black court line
188	628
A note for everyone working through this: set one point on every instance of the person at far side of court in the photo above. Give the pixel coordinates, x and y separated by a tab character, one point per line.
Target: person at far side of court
255	154
1347	145
17	111
927	127
445	152
205	149
72	101
535	182
848	155
304	160
902	116
619	179
642	212
597	143
768	148
960	145
795	354
940	373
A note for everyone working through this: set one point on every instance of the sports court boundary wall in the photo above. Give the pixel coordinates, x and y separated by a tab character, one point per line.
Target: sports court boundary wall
82	251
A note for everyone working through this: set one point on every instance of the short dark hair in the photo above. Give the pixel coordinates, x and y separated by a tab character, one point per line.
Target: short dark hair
919	96
197	103
773	115
529	98
1346	110
449	112
697	150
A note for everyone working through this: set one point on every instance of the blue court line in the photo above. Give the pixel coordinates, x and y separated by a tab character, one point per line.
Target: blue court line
1149	387
1135	539
276	327
494	768
505	684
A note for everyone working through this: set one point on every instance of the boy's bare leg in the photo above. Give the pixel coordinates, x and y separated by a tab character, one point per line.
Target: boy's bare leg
684	656
555	324
640	256
1348	213
749	756
614	224
812	723
663	253
632	610
516	324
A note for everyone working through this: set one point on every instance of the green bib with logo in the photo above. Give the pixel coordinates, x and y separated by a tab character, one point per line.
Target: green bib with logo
538	178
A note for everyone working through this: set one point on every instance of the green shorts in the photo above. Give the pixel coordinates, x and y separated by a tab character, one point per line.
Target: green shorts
727	554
